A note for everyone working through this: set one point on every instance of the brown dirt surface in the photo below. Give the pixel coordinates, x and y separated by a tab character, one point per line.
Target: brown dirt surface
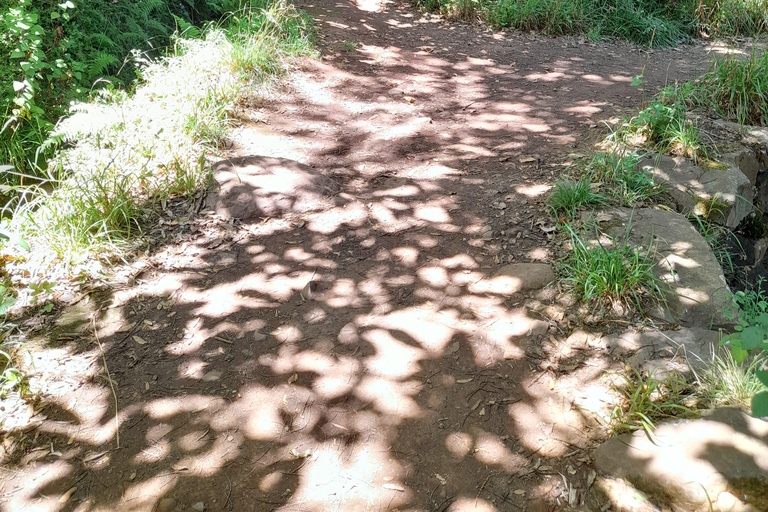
345	349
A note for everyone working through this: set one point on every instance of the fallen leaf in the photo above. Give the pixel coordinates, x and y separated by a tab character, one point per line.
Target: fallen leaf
464	381
139	340
520	492
127	327
394	487
94	456
527	160
65	497
293	378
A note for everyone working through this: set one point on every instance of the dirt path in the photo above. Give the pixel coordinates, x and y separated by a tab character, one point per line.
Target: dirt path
396	381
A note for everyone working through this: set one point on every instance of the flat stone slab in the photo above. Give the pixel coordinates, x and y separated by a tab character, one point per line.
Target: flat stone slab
257	186
685	348
699	295
720	458
723	195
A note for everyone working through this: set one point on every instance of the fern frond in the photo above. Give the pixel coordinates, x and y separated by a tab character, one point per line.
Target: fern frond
100	63
102	41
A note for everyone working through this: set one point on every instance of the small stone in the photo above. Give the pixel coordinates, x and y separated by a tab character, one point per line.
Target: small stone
259	336
199	506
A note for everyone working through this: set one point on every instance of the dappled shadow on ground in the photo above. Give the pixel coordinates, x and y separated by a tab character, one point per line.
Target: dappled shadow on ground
353	351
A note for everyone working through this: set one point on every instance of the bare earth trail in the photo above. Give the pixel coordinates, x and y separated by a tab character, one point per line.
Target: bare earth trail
354	353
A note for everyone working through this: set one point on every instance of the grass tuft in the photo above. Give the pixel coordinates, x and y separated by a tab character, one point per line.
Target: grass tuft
647	400
617	275
618	175
568	196
664	128
724	381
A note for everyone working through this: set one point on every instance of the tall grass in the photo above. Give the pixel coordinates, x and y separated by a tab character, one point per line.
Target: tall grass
735	88
733	17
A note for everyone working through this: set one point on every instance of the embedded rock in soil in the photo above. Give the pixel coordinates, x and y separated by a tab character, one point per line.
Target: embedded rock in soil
514	278
746	160
662	352
257	186
698	294
692	464
722	195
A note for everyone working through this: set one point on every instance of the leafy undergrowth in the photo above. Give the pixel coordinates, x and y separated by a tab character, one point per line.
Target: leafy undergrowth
54	52
127	154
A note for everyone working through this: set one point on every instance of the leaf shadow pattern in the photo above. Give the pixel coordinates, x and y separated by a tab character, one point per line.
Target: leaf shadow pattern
403	382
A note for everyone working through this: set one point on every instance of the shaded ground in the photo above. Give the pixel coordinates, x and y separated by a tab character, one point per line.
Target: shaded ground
348	353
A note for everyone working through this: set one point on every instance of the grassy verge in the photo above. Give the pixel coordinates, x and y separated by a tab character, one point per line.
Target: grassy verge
126	153
131	151
56	52
645	22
